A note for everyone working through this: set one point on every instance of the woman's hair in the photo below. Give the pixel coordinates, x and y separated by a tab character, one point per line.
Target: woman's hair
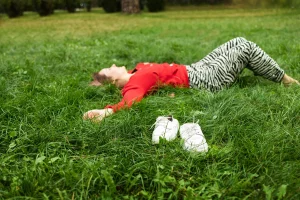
99	79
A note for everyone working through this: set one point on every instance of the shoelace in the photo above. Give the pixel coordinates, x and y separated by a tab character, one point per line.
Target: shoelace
198	145
162	122
194	131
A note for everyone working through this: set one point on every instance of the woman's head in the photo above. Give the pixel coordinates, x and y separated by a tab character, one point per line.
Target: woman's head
114	74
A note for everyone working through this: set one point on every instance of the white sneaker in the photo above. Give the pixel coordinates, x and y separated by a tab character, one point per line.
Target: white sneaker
193	137
165	127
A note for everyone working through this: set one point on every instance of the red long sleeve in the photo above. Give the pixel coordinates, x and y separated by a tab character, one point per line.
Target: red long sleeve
148	77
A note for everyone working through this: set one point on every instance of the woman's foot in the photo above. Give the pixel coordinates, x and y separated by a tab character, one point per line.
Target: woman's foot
287	81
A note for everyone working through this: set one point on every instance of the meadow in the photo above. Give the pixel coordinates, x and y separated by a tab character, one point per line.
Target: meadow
48	152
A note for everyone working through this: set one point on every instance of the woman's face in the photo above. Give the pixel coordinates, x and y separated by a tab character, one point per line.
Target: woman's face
113	73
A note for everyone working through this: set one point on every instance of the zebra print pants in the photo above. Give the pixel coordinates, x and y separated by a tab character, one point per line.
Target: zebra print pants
221	67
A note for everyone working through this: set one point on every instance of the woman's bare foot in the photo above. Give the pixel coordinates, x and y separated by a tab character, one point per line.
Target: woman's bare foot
287	81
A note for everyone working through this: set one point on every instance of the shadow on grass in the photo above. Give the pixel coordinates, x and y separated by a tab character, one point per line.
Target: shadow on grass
252	81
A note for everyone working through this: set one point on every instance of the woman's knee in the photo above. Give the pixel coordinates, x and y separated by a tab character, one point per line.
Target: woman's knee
241	39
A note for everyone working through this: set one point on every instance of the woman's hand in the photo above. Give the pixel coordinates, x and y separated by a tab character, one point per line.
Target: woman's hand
97	115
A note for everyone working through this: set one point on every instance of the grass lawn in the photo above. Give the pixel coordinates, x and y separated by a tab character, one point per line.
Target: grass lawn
48	152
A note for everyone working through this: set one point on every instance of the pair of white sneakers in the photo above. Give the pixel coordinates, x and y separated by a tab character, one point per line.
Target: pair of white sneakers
167	127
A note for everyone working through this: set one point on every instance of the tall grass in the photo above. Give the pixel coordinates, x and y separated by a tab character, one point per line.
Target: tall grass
48	152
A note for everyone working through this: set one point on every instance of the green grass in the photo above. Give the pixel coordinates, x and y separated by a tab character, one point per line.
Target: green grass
48	152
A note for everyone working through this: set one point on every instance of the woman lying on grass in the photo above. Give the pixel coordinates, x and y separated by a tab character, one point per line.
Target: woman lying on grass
216	71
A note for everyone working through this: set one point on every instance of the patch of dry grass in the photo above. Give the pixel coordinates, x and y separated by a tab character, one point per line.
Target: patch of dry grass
31	27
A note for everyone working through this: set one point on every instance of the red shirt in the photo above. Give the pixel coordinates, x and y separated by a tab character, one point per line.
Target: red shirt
148	77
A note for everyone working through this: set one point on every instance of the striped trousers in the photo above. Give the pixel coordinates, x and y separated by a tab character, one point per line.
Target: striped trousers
222	66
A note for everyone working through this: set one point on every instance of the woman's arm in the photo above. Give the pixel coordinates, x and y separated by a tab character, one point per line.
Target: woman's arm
136	90
133	92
